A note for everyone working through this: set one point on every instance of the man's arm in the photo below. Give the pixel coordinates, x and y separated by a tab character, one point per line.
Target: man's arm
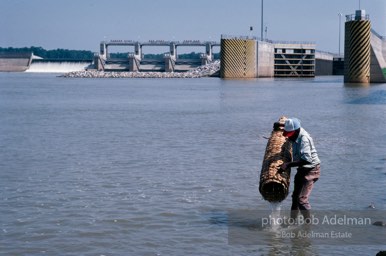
287	165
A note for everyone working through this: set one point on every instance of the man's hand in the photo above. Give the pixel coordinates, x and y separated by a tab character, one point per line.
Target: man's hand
284	167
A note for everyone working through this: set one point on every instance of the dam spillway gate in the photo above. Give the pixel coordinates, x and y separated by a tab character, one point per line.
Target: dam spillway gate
136	61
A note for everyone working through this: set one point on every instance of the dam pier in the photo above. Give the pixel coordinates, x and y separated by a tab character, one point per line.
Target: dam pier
136	61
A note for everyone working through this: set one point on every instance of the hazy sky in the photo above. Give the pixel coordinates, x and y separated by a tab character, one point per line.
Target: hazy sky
82	24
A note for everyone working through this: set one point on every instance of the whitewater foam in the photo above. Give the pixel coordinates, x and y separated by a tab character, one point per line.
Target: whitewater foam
57	67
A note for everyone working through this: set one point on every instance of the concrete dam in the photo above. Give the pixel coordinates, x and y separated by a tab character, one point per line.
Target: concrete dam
137	61
241	57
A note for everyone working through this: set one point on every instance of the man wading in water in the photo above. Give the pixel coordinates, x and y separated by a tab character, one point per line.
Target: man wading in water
305	157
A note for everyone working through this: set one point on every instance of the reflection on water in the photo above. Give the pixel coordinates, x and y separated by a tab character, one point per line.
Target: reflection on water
375	97
152	167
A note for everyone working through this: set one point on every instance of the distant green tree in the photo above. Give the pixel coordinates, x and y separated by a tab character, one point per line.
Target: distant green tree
119	55
51	54
154	56
192	55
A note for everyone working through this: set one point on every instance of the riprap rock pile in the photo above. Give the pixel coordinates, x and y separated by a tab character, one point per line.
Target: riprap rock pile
202	71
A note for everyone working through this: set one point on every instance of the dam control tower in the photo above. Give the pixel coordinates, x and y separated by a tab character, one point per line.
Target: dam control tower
357	48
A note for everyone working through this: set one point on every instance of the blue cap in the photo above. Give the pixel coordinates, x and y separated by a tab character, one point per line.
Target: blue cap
291	124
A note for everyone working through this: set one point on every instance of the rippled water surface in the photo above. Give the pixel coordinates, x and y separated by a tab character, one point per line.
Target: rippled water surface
152	166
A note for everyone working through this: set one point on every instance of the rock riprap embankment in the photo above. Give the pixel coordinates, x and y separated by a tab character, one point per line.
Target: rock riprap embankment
202	71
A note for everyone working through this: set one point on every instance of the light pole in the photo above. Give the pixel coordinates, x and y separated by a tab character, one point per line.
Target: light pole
340	26
262	20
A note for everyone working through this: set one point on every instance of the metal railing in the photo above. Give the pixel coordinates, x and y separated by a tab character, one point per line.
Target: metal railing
352	17
378	35
294	42
330	53
266	40
239	37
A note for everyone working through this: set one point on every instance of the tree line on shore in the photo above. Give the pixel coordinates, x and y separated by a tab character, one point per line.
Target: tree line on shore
84	54
50	54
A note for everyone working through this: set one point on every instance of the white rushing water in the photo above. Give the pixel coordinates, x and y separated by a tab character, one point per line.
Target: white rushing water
275	215
57	67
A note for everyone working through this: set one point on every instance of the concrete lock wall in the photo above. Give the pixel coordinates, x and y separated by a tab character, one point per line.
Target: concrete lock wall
14	64
377	60
238	58
265	59
323	63
357	51
323	67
